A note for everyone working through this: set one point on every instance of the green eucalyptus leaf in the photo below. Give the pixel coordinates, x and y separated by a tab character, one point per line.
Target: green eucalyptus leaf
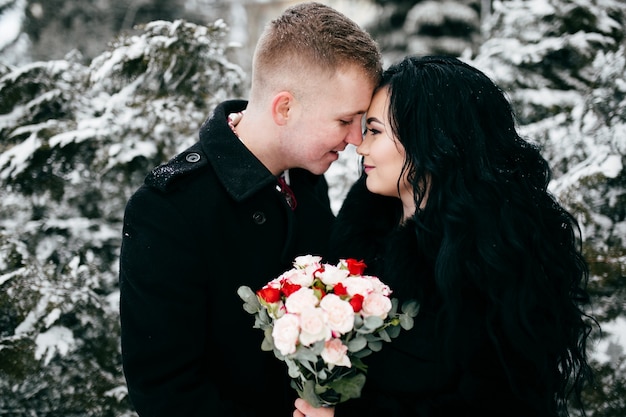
252	309
394	307
357	344
293	369
268	341
373	322
384	336
393	331
406	322
371	337
260	322
309	393
364	330
304	354
245	293
251	302
362	354
411	308
348	387
317	347
375	346
358	364
307	365
263	320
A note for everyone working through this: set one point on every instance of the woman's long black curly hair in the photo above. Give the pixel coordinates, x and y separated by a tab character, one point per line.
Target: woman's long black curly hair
506	255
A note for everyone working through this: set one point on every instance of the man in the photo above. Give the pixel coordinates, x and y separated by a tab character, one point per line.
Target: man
219	216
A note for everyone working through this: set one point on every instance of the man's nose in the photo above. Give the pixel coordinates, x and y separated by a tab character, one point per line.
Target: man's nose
355	136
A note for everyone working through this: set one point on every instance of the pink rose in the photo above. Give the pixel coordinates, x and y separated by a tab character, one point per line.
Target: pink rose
340	314
285	333
335	353
301	300
376	304
313	326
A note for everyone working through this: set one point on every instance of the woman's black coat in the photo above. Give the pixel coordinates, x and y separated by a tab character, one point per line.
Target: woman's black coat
202	225
411	377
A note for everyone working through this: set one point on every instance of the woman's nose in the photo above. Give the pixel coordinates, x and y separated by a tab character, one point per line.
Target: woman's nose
363	148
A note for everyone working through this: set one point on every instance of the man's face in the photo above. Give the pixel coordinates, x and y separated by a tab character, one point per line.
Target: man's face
327	120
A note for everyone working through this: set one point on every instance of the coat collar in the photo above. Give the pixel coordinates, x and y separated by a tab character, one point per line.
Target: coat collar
241	173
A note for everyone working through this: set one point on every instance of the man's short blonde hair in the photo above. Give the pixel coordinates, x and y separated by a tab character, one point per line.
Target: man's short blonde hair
310	39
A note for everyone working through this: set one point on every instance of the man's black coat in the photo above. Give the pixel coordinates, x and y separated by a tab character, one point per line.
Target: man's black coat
205	223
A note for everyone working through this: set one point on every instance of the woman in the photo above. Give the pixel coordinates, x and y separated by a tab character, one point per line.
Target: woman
453	210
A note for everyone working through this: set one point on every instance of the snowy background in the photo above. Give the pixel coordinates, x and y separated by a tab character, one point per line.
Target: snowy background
94	93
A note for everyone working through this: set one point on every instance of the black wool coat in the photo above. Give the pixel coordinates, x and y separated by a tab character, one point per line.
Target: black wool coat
411	377
205	223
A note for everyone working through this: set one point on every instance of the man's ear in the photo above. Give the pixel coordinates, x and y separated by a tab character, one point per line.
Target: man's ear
281	107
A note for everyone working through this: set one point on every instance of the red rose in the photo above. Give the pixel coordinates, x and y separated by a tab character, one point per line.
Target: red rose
288	288
320	270
356	267
340	289
356	302
269	295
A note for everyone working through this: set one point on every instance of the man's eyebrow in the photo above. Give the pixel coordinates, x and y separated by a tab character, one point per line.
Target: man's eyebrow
355	113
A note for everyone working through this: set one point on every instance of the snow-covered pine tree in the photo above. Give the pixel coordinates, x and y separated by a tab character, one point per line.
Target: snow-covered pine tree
563	64
449	27
75	142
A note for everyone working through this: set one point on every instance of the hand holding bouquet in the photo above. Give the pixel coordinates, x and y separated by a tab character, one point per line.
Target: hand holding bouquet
321	320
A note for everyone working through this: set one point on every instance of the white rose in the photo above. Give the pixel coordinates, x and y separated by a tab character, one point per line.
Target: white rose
376	305
378	285
335	353
299	276
340	314
358	285
301	300
307	260
313	326
275	283
332	275
285	333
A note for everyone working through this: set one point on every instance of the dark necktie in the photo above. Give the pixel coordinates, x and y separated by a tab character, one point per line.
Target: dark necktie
287	192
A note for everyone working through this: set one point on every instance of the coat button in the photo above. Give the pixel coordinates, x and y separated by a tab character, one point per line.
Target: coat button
259	217
193	157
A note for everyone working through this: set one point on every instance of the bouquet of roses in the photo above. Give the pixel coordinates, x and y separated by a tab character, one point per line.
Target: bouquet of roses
321	320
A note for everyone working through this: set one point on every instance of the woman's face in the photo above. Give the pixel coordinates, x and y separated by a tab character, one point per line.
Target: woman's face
383	155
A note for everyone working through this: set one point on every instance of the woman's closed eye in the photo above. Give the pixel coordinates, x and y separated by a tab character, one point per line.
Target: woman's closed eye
371	130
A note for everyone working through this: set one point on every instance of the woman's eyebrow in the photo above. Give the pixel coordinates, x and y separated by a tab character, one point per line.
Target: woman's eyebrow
373	119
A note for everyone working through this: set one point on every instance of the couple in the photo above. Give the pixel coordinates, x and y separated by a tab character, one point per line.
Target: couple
451	209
